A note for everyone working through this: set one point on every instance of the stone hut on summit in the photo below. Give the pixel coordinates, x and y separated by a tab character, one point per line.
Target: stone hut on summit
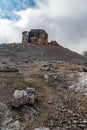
37	36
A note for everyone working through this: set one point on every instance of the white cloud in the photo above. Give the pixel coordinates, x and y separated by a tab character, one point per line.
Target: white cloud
9	32
64	20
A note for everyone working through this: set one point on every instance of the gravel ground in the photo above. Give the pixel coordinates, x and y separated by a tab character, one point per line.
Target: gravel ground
53	74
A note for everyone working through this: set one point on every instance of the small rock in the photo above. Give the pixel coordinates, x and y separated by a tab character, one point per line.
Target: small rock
43	128
17	125
84	69
46	77
50	102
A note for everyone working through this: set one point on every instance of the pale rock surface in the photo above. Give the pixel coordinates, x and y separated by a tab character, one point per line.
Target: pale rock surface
81	85
43	128
21	97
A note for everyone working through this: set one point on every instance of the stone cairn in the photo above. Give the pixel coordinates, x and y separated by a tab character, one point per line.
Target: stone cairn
22	97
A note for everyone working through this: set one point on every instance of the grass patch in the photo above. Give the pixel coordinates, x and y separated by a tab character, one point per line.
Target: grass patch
9	82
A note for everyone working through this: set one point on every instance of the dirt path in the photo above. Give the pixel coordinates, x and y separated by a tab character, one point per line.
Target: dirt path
48	98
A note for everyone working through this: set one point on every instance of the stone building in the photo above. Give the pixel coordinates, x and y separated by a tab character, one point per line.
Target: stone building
37	36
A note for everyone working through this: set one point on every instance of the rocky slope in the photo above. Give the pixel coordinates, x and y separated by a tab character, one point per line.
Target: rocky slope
30	52
60	84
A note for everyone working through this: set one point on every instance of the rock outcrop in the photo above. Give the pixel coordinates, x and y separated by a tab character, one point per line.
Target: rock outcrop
54	43
37	36
25	37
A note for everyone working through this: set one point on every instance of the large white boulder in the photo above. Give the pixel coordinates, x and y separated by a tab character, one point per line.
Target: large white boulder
21	97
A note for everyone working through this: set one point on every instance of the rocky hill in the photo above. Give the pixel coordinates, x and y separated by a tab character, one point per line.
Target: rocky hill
58	79
29	52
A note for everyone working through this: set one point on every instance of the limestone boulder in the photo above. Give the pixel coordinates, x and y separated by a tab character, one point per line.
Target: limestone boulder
21	97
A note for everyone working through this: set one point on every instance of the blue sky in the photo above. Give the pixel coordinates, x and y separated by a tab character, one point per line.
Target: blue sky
7	7
64	20
17	5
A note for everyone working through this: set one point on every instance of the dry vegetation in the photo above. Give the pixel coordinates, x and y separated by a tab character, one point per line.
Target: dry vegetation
57	105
